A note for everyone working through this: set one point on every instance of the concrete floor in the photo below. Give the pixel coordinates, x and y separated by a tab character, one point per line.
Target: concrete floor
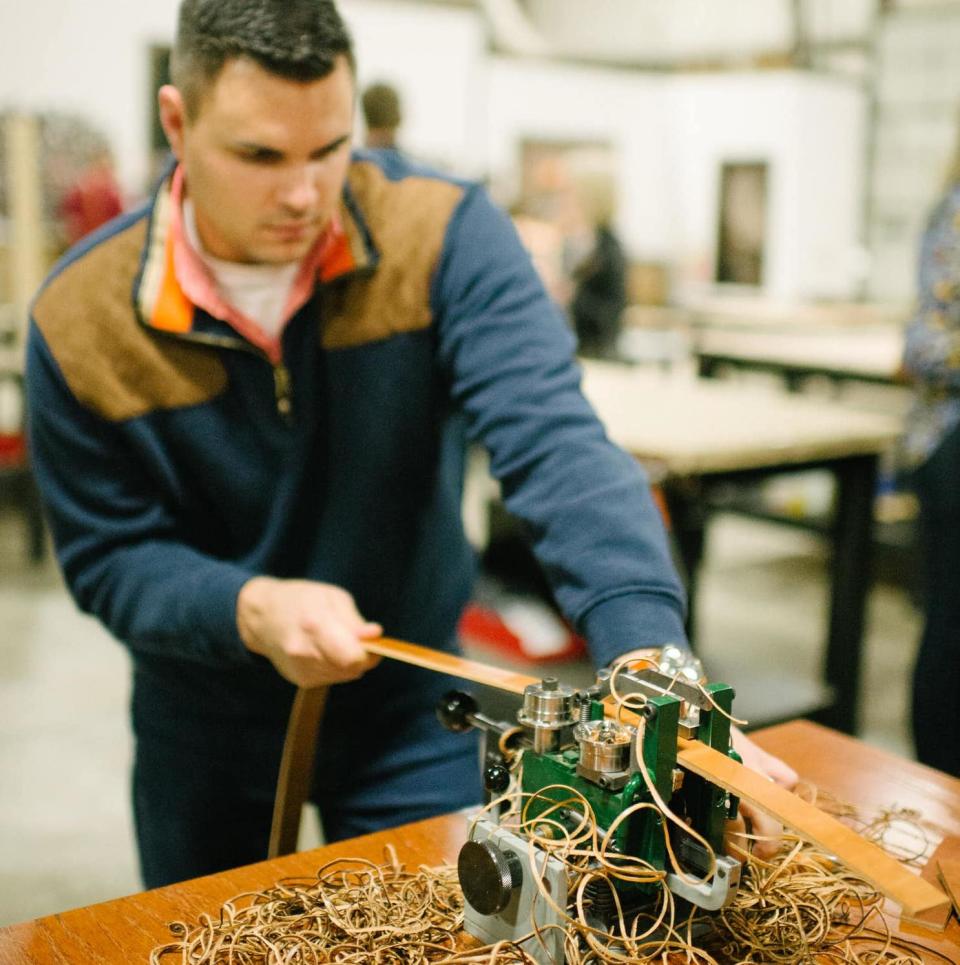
65	833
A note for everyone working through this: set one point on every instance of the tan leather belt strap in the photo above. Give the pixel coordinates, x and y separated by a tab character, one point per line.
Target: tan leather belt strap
884	872
449	663
296	769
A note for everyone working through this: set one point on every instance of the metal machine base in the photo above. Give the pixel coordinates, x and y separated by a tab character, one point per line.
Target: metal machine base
526	903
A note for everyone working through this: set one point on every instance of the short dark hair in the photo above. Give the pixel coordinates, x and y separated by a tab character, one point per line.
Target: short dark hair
381	106
297	39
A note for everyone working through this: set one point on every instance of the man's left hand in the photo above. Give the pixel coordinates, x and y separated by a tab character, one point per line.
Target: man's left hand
751	819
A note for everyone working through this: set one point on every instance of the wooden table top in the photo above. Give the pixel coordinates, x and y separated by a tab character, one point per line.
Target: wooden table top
764	313
872	352
127	929
690	426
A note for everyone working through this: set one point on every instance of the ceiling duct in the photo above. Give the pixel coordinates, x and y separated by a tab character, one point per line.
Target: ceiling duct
639	32
678	34
513	30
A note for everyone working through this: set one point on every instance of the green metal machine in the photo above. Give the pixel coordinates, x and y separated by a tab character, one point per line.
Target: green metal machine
569	745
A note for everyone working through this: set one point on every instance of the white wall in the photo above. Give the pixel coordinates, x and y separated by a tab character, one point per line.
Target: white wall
672	133
831	257
628	111
809	130
90	59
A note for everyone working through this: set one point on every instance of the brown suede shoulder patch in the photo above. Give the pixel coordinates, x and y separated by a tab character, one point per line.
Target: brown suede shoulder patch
407	220
111	363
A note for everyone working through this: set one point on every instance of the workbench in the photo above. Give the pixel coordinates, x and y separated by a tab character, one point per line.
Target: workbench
125	930
859	354
696	434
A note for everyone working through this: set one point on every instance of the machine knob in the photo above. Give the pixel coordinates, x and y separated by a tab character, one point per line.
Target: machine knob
454	710
496	779
488	876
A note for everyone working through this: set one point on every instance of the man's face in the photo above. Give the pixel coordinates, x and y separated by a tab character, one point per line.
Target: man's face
265	159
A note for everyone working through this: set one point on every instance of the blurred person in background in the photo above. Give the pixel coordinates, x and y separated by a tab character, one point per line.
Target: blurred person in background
382	115
92	199
600	276
544	242
932	360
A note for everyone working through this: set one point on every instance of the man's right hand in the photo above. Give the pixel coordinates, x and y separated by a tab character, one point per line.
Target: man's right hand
311	632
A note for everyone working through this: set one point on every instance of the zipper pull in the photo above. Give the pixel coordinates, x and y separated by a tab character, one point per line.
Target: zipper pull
281	385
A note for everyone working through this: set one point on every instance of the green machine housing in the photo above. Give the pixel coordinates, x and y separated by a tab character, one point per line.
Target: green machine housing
696	801
569	745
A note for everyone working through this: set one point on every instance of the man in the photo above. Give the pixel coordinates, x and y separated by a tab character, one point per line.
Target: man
382	116
248	408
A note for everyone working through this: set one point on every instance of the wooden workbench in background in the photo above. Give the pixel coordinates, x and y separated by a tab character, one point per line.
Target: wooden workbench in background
865	354
124	931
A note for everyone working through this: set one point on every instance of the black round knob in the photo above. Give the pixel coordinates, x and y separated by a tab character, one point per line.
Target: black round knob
496	779
453	709
488	876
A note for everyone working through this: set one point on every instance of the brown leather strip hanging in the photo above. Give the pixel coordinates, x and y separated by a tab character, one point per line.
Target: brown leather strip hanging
296	769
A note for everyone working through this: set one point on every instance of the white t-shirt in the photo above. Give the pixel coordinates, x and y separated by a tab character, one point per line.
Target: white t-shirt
259	292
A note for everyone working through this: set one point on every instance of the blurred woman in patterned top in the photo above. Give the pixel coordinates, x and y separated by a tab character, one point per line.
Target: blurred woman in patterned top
932	360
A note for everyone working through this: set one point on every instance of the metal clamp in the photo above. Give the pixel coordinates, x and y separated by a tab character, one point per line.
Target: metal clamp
709	895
